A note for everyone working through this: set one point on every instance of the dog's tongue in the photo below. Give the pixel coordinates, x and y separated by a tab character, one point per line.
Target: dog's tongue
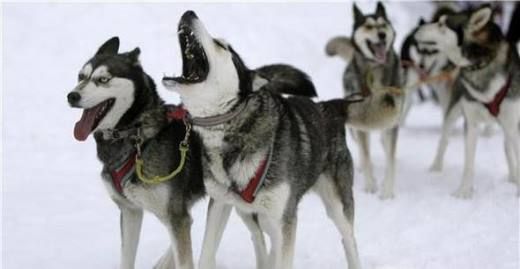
84	126
380	53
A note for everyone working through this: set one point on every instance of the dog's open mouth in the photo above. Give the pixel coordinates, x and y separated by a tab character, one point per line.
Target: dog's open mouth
195	66
378	50
91	118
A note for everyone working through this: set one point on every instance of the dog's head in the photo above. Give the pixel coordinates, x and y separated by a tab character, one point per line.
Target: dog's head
373	34
106	89
466	38
213	74
426	59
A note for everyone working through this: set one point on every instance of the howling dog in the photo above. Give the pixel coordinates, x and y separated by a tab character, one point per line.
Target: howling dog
263	151
140	138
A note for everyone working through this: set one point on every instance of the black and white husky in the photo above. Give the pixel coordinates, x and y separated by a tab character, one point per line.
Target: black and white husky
263	151
373	58
121	107
490	73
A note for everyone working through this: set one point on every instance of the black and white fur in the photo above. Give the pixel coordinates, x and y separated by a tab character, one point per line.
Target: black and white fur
473	42
118	81
306	140
372	39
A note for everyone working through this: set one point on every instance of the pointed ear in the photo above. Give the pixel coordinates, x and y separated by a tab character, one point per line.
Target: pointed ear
110	47
134	55
380	10
422	21
358	15
480	18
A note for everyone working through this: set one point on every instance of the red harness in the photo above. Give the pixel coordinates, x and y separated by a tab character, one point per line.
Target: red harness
249	192
494	106
255	183
121	174
118	175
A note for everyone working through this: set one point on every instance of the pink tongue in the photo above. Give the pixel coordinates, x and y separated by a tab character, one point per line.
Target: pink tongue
85	125
380	51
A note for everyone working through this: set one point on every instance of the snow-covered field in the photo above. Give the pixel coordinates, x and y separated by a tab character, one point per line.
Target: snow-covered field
56	213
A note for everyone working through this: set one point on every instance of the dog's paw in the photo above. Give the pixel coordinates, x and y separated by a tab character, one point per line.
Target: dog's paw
207	264
166	261
387	195
463	193
370	187
435	167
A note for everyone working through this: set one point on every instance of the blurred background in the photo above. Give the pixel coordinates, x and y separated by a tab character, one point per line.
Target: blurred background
57	214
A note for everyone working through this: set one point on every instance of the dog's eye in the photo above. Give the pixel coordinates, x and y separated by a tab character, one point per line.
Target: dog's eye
369	27
103	80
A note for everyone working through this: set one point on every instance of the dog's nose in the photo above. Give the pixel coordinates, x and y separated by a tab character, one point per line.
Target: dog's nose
381	36
73	98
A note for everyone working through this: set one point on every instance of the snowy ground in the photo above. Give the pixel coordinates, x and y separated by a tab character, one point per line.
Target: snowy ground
56	213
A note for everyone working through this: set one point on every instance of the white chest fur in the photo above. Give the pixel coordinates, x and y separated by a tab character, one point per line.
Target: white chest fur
495	85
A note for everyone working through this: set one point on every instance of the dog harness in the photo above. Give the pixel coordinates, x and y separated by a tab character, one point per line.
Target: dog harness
122	174
248	194
135	163
494	106
256	182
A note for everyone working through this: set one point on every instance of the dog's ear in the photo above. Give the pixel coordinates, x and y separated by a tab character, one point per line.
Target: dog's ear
134	55
380	10
480	18
358	15
422	21
110	47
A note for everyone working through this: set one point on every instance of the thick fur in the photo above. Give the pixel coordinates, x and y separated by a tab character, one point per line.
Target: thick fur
380	110
472	41
306	140
138	103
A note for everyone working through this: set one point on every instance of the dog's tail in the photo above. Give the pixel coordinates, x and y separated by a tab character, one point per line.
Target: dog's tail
285	79
380	110
341	46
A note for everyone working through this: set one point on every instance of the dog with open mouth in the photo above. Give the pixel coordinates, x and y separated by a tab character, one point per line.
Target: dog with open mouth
264	151
130	122
490	73
373	66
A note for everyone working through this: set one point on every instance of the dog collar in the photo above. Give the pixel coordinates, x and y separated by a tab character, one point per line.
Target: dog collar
256	182
219	119
494	106
122	174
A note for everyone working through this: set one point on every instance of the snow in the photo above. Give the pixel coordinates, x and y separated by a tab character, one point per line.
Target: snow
56	213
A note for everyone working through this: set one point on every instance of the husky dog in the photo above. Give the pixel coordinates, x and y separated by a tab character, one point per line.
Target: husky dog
490	73
372	38
117	96
263	151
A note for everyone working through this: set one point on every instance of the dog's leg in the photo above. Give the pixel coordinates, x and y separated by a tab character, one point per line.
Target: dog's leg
257	236
512	148
217	217
341	211
366	164
447	124
166	261
389	138
179	229
282	235
465	190
511	159
131	220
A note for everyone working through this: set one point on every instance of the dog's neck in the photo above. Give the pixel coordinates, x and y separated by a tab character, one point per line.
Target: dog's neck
208	105
149	113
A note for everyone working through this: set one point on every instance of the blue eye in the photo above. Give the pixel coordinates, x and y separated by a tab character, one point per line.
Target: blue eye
103	80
